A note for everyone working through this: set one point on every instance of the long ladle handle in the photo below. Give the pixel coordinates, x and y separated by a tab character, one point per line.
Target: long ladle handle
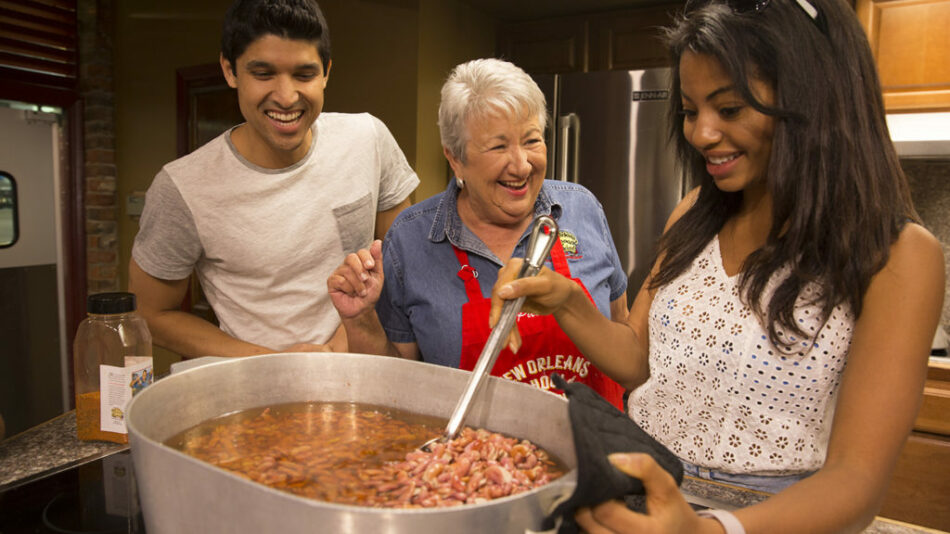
543	235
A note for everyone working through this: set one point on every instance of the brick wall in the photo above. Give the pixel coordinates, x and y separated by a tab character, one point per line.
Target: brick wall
96	31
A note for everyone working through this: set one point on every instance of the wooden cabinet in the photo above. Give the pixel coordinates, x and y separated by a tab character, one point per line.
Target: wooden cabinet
548	46
934	415
910	43
629	40
920	486
908	39
616	40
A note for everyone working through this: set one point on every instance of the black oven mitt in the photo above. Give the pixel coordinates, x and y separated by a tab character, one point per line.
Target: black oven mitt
601	429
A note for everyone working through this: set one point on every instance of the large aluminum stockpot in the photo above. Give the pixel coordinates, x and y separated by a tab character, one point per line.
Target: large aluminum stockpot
181	494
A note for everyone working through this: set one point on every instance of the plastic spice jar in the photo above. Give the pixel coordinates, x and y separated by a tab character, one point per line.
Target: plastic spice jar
112	355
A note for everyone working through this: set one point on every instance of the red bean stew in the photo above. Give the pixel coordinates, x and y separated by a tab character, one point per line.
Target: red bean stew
367	455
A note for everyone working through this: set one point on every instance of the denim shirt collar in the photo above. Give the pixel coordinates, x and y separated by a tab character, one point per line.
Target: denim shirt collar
447	224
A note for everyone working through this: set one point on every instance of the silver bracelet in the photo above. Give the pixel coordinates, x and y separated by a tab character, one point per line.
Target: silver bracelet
726	519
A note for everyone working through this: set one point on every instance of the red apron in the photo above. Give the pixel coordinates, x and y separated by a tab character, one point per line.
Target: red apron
545	348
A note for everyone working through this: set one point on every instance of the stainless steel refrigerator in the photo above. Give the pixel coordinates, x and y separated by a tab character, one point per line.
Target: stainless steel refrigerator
609	133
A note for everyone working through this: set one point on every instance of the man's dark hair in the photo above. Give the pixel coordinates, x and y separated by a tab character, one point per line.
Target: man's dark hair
249	20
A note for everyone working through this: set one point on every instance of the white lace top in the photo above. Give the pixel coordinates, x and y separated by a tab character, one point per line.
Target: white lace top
720	395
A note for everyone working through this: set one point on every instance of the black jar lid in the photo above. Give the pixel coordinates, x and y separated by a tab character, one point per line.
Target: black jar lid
108	303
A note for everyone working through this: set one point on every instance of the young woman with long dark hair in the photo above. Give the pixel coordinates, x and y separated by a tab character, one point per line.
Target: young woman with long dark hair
780	342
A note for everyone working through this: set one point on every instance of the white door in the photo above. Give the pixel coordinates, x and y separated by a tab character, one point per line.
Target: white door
32	348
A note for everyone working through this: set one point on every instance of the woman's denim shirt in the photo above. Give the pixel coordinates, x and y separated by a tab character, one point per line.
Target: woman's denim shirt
422	295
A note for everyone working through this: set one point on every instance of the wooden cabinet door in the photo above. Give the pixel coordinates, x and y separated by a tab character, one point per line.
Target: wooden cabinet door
631	40
920	486
910	43
934	414
547	46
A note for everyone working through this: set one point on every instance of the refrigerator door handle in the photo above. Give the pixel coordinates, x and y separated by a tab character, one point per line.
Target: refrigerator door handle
569	140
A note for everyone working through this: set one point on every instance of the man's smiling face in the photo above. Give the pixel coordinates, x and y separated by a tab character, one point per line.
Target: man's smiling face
280	84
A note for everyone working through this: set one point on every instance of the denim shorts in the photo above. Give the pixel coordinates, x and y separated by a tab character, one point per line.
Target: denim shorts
763	483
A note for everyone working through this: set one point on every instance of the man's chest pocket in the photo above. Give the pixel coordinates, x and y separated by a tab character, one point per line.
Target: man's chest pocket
356	223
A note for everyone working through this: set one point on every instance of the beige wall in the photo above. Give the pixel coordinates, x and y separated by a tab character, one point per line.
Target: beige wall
389	58
374	63
449	33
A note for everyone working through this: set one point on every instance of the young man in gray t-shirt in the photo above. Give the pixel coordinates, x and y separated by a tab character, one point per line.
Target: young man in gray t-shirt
266	211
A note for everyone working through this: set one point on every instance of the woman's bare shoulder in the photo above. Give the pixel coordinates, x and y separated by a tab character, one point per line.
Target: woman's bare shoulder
687	202
915	250
914	275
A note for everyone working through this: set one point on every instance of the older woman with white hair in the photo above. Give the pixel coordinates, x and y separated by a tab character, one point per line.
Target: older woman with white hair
441	257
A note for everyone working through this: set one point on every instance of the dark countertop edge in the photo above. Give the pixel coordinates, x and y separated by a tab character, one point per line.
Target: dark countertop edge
52	447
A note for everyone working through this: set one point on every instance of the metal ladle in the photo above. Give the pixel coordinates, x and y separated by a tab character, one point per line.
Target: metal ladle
543	235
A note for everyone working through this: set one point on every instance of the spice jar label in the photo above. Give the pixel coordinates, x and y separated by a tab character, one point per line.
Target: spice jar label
118	385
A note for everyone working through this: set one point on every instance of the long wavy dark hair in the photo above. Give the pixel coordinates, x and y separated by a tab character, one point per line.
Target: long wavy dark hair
839	195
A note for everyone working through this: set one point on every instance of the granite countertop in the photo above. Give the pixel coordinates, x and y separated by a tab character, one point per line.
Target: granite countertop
52	447
48	448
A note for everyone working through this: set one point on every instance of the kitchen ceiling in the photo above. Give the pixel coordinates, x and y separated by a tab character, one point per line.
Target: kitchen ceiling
514	10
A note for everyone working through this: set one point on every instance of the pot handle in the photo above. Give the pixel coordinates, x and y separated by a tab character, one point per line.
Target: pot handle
558	491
